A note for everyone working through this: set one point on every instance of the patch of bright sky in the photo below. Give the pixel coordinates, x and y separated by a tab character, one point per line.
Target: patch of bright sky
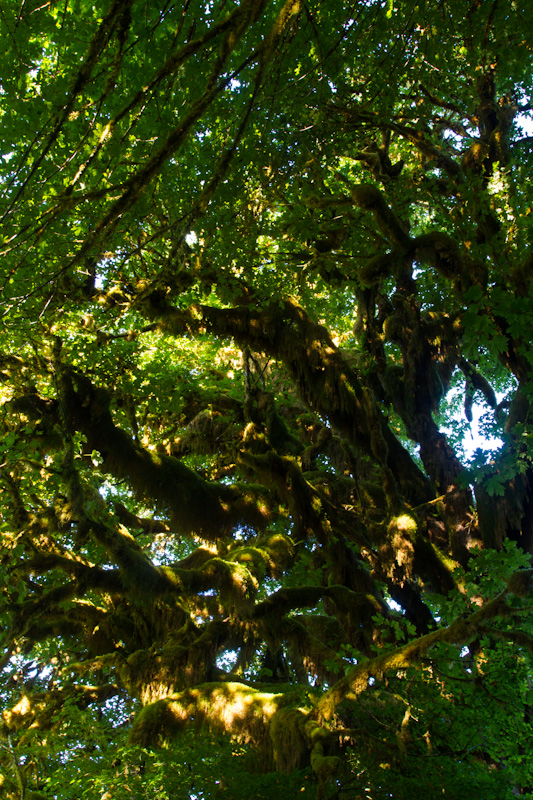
474	438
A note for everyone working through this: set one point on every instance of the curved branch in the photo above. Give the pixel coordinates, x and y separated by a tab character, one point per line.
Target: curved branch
195	505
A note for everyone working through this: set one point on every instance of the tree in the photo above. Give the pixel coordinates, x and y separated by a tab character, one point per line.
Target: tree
261	263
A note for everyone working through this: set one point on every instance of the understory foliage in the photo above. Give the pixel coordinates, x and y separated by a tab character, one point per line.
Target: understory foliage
266	375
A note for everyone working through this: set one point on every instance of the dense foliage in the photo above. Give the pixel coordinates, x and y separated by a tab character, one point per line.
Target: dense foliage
266	274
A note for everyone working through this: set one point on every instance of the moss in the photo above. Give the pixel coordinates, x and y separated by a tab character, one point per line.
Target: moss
375	426
434	565
196	559
138	573
399	548
234	581
230	708
372	494
377	268
155	724
369	198
186	658
290	749
324	766
253	558
279	434
441	252
404	523
362	604
281	550
394	329
366	196
18	715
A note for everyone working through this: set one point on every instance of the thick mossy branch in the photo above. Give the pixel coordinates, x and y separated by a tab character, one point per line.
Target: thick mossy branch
379	267
325	380
460	632
130	520
195	505
278	725
309	509
87	575
370	198
230	708
281	602
234	581
267	555
139	575
274	723
442	252
354	611
57	612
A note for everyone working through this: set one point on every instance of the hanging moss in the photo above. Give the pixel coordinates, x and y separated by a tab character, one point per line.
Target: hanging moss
152	675
275	723
398	550
167	665
323	377
324	767
305	504
150	625
315	641
290	749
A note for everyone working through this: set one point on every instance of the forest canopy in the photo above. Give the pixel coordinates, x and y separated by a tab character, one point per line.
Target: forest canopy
266	375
